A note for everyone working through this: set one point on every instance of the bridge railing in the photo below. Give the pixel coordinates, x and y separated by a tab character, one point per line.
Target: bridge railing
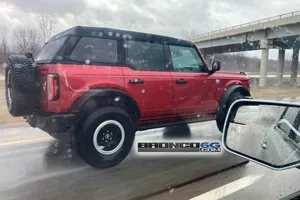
248	24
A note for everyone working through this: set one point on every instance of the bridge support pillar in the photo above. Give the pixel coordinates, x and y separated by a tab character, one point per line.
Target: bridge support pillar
209	59
264	45
280	66
294	68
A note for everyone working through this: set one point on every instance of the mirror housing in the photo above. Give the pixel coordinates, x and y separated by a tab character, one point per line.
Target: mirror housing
265	132
216	66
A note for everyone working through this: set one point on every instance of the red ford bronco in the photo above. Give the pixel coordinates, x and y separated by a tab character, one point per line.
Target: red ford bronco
102	85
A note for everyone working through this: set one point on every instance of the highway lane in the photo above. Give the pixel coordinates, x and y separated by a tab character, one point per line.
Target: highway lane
245	182
34	166
251	181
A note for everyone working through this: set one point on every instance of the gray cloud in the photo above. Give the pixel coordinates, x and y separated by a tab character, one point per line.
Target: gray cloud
172	17
164	17
49	6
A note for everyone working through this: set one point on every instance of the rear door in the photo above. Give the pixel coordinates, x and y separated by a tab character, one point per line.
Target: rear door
192	84
147	79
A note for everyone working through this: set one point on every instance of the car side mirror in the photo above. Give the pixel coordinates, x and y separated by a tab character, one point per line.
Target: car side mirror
216	66
265	132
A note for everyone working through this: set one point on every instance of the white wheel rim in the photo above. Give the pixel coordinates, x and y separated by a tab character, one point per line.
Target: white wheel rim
97	131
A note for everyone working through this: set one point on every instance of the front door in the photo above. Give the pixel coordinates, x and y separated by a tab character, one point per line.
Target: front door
147	80
192	91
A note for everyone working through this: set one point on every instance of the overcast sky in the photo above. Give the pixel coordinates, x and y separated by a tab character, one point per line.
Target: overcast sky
167	17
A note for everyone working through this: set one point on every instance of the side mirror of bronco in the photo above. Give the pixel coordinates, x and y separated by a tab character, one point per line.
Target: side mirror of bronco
216	66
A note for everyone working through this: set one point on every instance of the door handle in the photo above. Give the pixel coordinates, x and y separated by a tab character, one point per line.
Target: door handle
136	81
181	81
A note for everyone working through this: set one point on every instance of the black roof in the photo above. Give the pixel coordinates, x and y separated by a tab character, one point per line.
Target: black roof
118	34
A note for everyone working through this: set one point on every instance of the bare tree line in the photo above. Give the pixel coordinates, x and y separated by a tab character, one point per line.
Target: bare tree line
26	39
46	24
4	48
240	62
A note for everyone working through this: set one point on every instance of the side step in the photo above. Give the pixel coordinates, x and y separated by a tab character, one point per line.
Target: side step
141	127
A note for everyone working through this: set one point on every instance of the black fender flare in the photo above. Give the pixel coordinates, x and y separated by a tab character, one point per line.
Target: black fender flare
116	97
231	90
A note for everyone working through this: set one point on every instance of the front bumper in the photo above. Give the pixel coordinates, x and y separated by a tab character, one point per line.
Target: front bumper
52	124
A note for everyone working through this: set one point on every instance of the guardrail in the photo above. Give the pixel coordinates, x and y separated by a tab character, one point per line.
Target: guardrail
248	24
269	76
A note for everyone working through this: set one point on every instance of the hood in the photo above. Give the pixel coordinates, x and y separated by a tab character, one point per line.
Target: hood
231	75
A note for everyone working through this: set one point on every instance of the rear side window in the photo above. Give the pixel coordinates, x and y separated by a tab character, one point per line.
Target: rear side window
49	50
145	56
95	50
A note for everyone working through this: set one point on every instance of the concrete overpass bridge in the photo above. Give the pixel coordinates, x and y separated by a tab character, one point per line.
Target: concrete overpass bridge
278	32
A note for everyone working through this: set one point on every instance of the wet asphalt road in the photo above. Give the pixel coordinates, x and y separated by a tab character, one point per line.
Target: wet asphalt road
247	182
35	166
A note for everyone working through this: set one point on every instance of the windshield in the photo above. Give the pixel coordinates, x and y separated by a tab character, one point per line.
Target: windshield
132	99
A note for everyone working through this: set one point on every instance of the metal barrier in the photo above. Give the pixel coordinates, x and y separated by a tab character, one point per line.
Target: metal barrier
248	24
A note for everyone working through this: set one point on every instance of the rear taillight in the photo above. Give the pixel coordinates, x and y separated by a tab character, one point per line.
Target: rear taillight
52	87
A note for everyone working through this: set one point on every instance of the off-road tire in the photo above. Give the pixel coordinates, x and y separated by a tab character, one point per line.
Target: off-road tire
222	110
21	88
84	139
18	104
23	73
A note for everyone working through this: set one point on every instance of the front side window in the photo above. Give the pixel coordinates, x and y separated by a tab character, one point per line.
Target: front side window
49	50
95	50
144	56
186	59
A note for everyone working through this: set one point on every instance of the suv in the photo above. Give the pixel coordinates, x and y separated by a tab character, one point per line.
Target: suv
102	85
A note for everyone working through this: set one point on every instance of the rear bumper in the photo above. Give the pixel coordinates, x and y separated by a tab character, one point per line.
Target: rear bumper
52	124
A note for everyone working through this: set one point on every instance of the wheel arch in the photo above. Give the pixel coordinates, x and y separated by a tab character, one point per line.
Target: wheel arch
96	98
234	82
231	90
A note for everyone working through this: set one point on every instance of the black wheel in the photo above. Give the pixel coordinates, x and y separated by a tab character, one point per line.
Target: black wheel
23	73
222	110
18	104
106	137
